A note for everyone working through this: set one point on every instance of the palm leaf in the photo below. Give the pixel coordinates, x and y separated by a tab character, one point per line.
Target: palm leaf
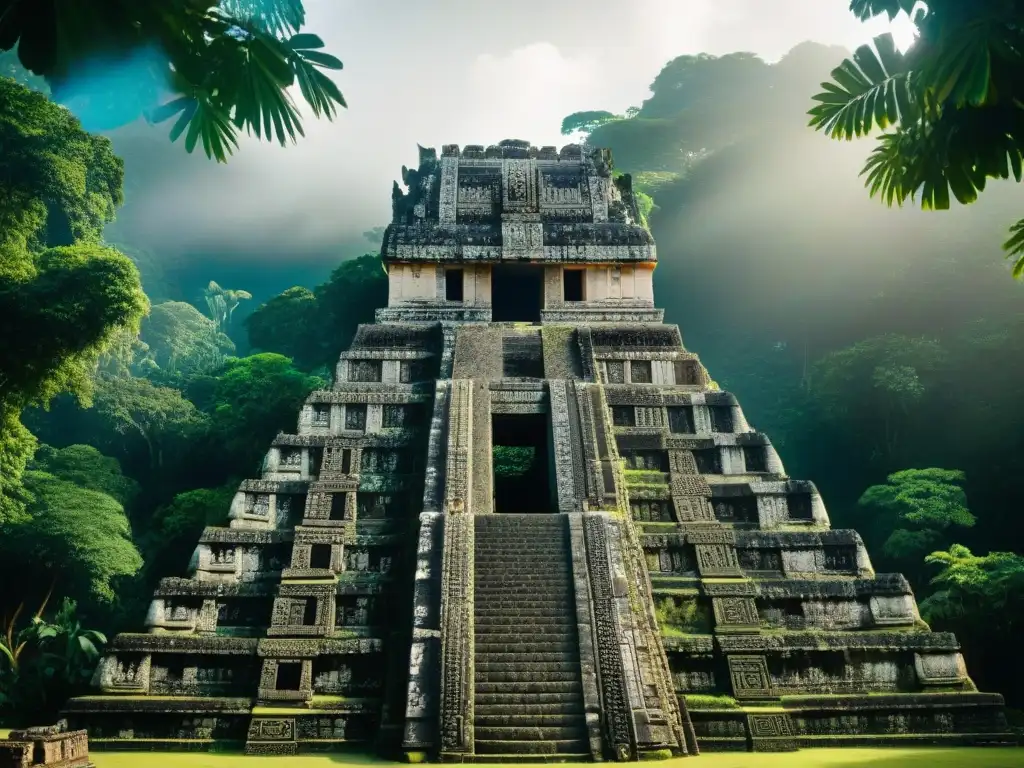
873	89
961	72
276	17
1014	248
869	9
319	91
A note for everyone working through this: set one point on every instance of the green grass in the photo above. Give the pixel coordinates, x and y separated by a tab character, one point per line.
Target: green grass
954	757
810	758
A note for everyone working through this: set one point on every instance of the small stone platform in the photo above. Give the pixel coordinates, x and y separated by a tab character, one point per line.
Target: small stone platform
52	746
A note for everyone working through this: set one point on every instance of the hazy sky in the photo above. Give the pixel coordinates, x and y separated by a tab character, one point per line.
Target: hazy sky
455	71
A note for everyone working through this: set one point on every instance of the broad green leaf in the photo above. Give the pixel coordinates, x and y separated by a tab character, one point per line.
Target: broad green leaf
324	60
170	109
305	41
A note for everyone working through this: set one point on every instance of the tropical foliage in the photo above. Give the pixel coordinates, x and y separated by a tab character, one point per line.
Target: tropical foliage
228	66
43	662
950	107
180	340
64	296
313	327
915	512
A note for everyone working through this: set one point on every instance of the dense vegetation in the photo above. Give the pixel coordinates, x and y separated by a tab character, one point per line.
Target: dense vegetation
881	351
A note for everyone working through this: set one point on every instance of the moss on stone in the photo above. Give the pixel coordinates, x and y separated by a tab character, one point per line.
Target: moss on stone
655	754
710	701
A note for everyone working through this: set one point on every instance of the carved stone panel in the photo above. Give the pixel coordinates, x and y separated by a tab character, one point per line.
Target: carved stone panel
272	729
749	677
693	509
615	703
735	614
519	186
717	560
771	733
457	634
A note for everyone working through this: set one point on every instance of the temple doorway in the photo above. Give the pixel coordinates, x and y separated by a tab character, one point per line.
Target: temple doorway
523	479
517	292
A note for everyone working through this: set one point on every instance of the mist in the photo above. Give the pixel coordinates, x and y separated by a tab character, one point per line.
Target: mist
420	73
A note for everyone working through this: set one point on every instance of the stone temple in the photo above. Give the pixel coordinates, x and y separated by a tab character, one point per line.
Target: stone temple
647	582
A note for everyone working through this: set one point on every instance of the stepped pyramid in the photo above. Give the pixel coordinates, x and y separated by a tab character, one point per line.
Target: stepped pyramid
525	525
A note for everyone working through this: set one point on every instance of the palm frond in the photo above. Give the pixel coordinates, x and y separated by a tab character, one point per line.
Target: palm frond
869	9
275	17
1014	248
319	91
960	72
873	89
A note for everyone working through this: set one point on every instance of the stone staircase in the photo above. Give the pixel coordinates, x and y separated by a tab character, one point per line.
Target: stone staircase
528	697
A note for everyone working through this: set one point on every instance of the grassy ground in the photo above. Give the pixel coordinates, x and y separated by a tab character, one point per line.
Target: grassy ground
980	757
810	758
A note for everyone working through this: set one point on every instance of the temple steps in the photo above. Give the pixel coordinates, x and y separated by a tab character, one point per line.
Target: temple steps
528	706
532	687
515	673
531	607
521	720
528	689
515	658
492	645
529	732
510	622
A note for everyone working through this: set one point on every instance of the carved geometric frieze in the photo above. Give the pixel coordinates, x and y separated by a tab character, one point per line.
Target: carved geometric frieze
519	186
271	729
710	535
717	560
690	485
731	588
749	677
618	731
460	431
735	614
522	239
771	733
682	462
457	634
693	509
449	190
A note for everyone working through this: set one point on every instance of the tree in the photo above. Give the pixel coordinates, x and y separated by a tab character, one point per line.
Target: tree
949	107
355	289
182	340
254	398
228	64
981	599
86	467
314	327
289	325
76	539
585	122
63	295
137	407
177	525
873	388
915	512
222	303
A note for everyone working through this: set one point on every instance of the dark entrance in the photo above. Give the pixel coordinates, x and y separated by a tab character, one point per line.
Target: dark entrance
516	293
522	466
